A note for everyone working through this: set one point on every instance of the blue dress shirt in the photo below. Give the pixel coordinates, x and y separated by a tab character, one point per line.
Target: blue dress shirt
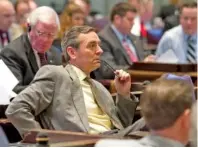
176	40
121	37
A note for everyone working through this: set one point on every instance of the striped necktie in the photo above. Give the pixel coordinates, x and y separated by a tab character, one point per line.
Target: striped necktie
191	52
42	58
130	53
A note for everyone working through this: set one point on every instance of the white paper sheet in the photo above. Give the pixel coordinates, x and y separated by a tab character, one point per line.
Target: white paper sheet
7	82
168	57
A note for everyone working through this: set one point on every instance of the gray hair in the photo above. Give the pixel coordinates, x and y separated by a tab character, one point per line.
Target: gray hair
43	14
70	38
163	101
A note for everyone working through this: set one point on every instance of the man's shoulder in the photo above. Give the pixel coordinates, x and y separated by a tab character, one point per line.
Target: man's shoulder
105	31
51	71
118	143
175	31
16	46
52	68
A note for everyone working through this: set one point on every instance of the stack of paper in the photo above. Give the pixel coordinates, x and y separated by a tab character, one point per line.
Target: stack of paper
7	82
168	57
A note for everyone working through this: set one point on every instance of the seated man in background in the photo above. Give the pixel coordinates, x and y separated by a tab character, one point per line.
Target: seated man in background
7	16
22	11
121	48
182	39
165	106
25	55
66	98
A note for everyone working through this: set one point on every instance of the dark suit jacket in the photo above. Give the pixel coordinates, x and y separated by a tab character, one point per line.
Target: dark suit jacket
19	57
115	54
56	97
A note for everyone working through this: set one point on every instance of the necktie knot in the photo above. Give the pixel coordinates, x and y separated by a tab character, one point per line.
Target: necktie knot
190	39
42	58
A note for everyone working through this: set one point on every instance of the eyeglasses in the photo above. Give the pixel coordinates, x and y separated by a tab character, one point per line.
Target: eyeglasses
45	34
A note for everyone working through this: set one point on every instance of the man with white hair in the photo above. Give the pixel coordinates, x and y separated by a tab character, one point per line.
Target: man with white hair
7	18
25	55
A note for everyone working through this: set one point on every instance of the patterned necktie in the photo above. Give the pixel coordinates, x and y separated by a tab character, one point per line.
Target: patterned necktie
191	52
4	38
42	58
89	80
129	52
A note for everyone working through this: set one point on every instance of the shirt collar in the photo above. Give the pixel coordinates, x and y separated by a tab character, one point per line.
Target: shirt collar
81	75
193	37
118	33
154	138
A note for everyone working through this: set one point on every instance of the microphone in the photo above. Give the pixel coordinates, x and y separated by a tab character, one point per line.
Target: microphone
110	67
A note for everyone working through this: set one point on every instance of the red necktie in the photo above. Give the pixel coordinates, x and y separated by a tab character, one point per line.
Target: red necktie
129	52
43	59
4	38
143	30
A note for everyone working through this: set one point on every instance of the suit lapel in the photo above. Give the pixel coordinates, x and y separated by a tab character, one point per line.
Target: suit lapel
30	53
104	105
77	96
118	44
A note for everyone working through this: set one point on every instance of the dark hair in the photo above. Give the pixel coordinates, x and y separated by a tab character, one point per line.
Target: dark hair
121	9
190	4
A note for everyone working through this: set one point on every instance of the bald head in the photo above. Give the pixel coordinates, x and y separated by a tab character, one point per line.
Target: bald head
7	14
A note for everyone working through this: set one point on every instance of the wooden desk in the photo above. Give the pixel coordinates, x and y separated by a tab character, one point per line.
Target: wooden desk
141	75
136	87
65	138
10	131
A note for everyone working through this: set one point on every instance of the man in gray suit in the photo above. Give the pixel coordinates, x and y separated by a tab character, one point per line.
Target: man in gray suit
66	98
25	55
121	48
166	109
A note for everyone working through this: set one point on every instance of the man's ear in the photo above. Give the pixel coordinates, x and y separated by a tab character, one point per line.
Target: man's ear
117	18
186	118
71	52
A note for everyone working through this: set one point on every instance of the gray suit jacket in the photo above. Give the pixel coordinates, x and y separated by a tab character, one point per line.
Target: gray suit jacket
115	54
148	141
20	59
56	98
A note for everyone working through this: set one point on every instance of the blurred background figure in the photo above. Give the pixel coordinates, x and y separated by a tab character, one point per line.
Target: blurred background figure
22	8
86	8
143	23
72	15
92	18
7	16
32	4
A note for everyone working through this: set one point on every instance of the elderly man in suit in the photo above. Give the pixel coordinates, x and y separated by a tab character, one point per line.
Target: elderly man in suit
25	55
166	111
7	15
66	98
120	47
